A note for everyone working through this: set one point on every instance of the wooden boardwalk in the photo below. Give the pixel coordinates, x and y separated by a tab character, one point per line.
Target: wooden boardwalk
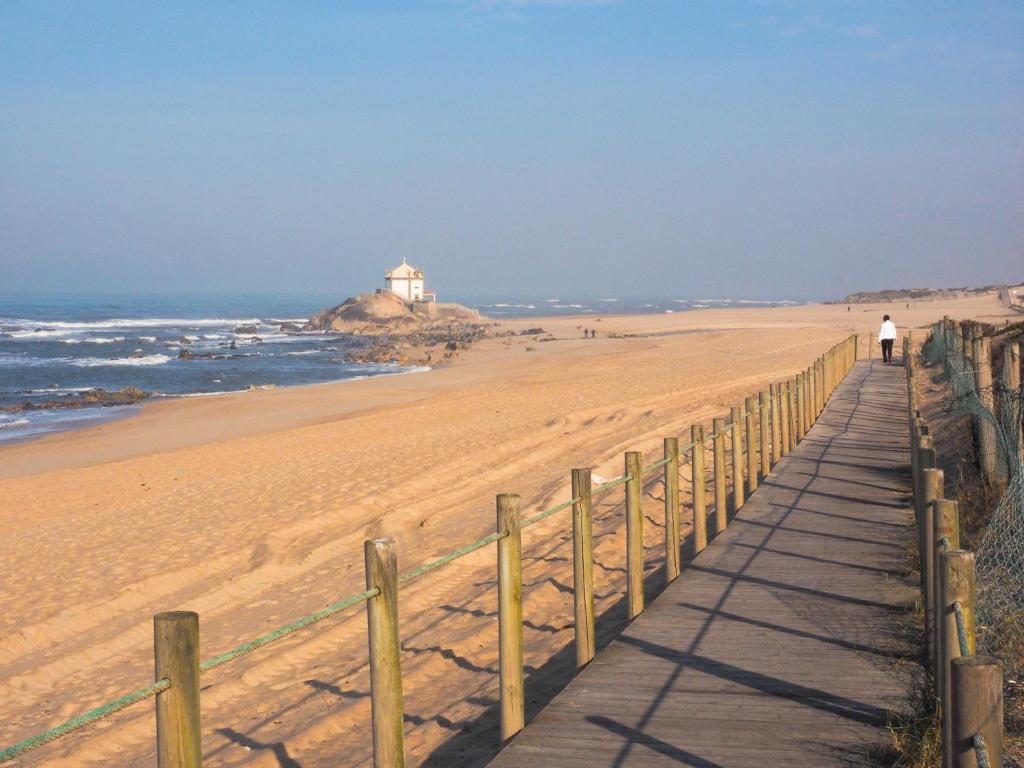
778	644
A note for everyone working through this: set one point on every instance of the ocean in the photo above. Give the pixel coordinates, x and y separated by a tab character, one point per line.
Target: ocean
54	347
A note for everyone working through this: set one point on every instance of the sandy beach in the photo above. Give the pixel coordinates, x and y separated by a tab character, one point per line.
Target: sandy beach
251	509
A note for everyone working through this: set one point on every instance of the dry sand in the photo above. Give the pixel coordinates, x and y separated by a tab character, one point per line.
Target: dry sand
251	509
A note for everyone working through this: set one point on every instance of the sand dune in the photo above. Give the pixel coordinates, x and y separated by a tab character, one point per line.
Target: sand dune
251	509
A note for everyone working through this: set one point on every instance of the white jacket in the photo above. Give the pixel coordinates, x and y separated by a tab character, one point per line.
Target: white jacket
888	331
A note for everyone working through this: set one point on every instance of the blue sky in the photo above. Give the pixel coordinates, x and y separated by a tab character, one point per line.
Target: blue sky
767	148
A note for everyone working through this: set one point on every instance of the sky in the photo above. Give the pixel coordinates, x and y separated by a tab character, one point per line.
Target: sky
745	148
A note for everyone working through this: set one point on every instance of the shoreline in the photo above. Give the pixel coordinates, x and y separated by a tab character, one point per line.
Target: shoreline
231	415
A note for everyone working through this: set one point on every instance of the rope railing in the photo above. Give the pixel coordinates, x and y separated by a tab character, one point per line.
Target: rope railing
384	593
81	721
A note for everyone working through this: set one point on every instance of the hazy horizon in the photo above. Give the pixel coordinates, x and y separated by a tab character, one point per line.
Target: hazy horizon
767	149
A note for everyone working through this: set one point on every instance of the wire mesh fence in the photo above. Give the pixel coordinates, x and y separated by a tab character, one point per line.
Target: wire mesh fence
995	407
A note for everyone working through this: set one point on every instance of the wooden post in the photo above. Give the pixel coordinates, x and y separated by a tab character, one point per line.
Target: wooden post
956	584
700	513
946	521
671	509
808	421
1011	387
510	617
634	535
718	455
790	442
986	429
933	490
176	652
776	432
737	461
977	703
386	704
751	406
799	407
784	418
762	423
583	566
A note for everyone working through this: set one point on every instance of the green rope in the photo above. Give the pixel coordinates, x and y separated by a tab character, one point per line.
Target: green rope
655	465
622	480
433	565
83	720
549	512
288	629
961	629
980	750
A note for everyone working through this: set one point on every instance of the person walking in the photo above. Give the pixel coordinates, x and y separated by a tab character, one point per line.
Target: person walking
887	337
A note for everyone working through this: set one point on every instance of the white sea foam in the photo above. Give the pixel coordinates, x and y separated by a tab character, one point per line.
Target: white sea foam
150	339
7	422
609	299
55	326
305	352
96	340
90	362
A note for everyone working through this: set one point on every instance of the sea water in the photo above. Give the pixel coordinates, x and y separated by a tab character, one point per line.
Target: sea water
54	347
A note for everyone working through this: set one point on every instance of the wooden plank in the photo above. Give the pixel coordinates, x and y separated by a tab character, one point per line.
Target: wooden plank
776	645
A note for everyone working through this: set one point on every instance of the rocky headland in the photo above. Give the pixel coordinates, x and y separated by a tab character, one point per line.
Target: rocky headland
402	332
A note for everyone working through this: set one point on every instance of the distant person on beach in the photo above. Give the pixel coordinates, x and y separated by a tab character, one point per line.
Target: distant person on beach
887	337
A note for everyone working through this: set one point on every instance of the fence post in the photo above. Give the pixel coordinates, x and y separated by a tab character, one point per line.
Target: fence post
784	417
386	705
583	567
751	432
762	423
510	616
737	461
700	514
925	460
983	383
1012	389
718	456
176	653
634	534
776	432
977	702
933	490
790	417
956	584
807	401
946	521
799	407
671	509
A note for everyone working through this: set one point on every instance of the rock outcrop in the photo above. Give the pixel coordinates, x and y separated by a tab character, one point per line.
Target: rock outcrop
91	398
385	314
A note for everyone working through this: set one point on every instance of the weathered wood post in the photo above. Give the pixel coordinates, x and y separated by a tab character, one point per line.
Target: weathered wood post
986	429
386	707
671	483
977	703
933	490
718	456
925	460
634	534
737	460
800	403
784	417
808	421
751	407
510	617
956	585
946	520
700	514
776	432
790	416
1012	394
176	652
762	423
583	565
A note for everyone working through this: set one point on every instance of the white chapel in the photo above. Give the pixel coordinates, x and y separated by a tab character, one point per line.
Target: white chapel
407	281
